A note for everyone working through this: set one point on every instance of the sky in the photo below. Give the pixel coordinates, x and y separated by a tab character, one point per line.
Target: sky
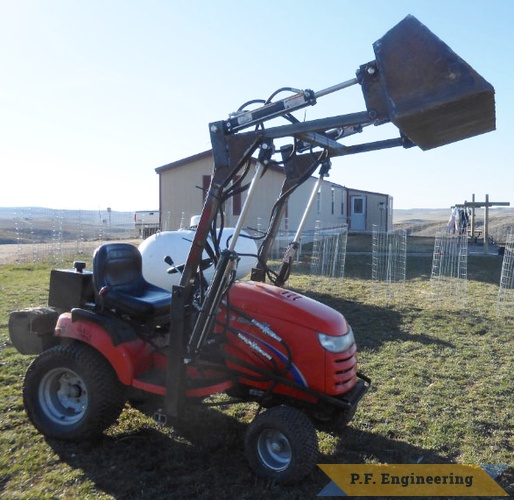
96	94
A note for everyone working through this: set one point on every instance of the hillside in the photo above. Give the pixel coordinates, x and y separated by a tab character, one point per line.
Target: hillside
426	222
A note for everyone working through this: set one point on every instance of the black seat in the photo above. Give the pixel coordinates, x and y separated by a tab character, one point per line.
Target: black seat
120	285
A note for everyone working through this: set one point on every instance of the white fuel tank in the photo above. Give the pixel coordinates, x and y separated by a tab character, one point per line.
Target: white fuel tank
176	244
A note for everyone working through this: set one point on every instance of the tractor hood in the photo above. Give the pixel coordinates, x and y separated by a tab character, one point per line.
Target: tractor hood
264	300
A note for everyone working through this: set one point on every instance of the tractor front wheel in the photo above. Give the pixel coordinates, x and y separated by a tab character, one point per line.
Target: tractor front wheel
72	393
281	444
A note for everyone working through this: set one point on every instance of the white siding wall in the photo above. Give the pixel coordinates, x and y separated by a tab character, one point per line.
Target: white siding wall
181	197
179	193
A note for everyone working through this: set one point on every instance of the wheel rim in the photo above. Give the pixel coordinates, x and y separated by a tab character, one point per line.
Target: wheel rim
63	396
274	450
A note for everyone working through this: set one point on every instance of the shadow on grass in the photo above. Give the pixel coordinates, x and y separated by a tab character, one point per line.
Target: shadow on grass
375	325
205	459
197	459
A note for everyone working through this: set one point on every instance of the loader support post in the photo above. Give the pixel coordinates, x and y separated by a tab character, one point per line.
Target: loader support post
176	371
230	154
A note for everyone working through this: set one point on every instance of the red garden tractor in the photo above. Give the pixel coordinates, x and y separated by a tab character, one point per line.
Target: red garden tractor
108	336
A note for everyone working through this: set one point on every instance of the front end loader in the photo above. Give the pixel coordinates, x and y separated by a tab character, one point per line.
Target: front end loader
108	336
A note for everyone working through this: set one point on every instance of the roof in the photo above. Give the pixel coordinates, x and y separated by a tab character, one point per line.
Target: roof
184	161
200	156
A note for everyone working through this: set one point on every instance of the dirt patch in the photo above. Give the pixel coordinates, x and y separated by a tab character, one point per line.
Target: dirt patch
14	254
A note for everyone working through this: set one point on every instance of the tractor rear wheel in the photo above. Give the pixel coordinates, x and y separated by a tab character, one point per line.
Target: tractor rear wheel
72	393
281	444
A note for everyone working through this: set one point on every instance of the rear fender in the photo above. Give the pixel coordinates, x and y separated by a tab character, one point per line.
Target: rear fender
128	358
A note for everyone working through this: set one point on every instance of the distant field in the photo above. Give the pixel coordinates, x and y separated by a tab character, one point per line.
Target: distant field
43	225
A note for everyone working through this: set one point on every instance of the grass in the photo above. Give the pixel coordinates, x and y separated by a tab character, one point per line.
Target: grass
442	393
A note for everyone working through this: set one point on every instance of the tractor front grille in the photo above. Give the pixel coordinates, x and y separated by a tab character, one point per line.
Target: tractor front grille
341	371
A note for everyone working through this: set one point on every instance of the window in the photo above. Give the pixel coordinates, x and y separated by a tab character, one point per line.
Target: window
333	201
318	202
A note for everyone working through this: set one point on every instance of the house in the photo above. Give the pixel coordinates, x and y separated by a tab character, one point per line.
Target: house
183	184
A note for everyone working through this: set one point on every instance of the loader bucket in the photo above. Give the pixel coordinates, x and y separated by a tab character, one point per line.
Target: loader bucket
432	95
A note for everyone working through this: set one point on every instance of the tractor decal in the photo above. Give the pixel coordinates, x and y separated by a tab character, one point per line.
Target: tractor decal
295	373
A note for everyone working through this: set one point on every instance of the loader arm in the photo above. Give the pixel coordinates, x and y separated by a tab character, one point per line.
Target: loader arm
416	82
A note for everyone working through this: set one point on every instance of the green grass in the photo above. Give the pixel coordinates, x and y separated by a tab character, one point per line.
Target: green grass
442	393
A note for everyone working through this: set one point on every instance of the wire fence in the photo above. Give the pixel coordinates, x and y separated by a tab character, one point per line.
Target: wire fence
329	251
322	251
388	261
450	267
506	290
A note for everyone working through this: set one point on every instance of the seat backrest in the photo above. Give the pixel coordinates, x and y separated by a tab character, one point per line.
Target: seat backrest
119	267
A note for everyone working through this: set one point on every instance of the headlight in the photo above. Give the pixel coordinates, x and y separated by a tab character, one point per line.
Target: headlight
337	343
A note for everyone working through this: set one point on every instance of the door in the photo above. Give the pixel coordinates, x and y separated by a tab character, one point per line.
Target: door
358	213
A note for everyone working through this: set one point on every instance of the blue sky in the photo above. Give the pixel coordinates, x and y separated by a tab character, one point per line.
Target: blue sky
94	95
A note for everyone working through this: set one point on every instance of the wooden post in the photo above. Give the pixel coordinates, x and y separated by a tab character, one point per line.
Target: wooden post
474	204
